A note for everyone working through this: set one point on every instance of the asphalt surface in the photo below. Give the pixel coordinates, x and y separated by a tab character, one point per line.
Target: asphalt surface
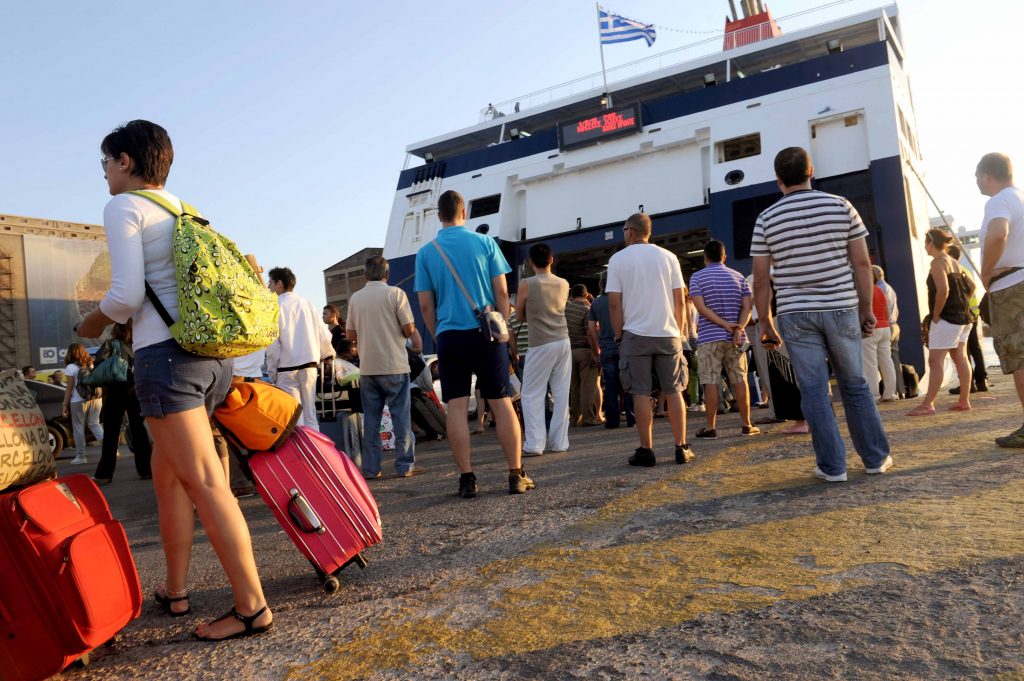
740	565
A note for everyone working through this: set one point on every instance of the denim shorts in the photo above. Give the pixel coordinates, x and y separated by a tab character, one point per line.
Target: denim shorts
169	380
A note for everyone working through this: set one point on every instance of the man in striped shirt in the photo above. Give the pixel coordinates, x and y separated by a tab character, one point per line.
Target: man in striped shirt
816	243
723	300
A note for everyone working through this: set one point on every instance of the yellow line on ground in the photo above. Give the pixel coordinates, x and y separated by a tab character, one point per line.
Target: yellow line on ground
557	595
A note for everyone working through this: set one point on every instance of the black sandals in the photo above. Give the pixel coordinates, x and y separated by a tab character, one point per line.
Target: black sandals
248	621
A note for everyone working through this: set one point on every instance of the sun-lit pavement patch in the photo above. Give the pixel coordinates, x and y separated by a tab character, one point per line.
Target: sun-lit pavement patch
571	591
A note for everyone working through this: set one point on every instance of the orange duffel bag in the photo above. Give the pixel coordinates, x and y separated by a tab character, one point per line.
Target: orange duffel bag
257	416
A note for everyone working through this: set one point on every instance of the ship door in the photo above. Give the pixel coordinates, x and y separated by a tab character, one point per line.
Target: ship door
839	144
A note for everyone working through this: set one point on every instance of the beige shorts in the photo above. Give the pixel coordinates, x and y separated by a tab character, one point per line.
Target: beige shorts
714	357
641	358
1007	308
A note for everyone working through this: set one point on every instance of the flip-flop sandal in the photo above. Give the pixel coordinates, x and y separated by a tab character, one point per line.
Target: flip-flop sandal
250	630
959	407
922	411
165	602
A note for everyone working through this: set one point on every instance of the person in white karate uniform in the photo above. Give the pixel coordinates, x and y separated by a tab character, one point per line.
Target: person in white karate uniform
304	340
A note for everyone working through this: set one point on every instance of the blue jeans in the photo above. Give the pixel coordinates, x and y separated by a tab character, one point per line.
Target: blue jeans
811	338
392	389
612	387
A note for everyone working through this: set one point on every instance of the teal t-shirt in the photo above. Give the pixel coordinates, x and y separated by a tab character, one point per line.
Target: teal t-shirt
476	258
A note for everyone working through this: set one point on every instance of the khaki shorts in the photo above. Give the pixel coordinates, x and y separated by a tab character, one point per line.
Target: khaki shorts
713	357
641	358
1007	308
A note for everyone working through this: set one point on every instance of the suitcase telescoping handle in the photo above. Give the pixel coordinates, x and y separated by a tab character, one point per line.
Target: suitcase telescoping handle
302	514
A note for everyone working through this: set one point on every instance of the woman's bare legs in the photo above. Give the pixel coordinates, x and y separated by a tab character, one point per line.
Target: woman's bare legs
190	471
936	369
963	372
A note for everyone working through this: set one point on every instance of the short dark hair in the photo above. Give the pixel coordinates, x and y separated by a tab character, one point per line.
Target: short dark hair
578	291
147	145
27	368
793	166
540	255
714	251
283	275
449	205
376	268
333	309
997	165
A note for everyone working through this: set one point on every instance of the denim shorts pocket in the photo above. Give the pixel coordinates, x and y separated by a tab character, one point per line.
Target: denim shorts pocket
152	374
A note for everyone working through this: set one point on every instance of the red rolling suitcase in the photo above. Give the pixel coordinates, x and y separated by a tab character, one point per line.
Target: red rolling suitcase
321	500
68	583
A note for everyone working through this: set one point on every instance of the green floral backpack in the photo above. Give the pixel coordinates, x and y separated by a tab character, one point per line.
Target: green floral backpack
224	308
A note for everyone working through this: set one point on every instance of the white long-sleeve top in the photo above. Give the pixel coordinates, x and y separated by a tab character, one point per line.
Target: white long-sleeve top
304	336
139	237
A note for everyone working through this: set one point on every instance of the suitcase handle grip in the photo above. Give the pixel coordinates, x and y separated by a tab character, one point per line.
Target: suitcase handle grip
302	514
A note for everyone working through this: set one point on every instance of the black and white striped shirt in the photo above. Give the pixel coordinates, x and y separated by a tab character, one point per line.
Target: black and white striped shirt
806	233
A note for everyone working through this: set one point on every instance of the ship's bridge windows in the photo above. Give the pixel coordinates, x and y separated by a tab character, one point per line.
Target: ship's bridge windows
487	205
738	147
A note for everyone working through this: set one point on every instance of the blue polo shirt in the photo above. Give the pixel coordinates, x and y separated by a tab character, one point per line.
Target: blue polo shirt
476	258
723	291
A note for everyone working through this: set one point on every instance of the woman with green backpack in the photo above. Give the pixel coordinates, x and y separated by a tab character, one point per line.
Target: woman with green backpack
177	389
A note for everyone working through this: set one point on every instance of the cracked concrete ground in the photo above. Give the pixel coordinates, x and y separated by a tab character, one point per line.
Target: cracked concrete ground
740	565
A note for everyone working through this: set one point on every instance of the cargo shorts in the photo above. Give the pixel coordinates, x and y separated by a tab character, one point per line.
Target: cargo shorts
715	356
641	358
1007	310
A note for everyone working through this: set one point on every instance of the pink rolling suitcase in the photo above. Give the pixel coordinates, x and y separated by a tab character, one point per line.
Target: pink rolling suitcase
321	500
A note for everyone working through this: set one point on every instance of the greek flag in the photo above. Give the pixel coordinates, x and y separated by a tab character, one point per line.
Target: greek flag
616	29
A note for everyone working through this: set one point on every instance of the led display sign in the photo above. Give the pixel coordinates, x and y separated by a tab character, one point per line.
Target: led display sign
579	132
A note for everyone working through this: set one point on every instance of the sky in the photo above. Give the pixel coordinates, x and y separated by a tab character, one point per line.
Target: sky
290	120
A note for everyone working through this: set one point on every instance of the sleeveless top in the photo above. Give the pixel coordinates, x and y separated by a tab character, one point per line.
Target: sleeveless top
956	309
545	309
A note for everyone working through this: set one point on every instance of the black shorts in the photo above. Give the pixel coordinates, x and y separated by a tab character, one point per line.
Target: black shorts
460	354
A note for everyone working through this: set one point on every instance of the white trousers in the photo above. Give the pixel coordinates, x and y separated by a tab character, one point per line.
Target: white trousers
877	350
301	384
547	364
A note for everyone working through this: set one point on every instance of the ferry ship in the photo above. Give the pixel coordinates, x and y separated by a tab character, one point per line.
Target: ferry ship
691	144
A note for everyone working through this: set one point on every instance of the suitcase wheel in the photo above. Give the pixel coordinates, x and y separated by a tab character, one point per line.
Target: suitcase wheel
331	584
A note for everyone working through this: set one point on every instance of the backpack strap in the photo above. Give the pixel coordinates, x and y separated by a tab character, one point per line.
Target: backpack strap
173	210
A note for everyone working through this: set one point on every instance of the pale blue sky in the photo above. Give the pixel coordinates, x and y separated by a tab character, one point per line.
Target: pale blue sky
290	120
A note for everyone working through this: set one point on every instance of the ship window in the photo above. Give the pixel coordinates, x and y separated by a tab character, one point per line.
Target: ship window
739	147
488	205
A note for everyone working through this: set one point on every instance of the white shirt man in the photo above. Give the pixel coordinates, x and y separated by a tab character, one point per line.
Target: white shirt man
304	340
1002	270
645	295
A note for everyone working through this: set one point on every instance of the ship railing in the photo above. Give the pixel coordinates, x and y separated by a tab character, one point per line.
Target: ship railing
805	19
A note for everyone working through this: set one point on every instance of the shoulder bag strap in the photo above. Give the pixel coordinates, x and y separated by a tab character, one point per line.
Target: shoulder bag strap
458	279
150	293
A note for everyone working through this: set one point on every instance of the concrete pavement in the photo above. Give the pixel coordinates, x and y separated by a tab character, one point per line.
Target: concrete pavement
739	565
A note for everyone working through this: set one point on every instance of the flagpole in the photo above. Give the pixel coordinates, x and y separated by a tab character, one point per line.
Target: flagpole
600	44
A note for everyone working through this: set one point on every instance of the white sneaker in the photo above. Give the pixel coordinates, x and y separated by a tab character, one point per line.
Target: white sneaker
79	460
818	473
886	465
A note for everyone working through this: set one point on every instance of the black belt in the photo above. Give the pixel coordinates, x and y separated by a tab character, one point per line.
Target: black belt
307	365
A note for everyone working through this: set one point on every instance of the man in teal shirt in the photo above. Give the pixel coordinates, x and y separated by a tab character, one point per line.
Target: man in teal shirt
462	349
